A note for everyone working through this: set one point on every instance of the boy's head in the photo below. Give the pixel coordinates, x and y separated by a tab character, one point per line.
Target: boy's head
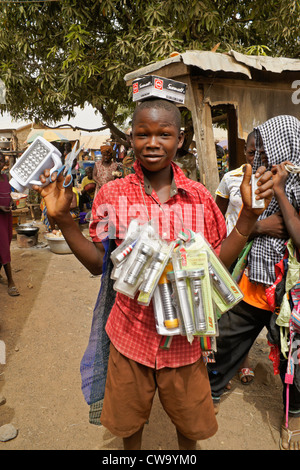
159	104
156	134
250	148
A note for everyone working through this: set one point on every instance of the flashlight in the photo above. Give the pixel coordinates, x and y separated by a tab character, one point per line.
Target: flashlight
220	285
180	287
195	277
137	266
153	270
165	291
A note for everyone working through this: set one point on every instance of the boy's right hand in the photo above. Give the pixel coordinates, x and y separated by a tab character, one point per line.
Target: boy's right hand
57	198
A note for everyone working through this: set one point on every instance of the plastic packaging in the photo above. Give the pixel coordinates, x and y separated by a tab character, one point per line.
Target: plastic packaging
39	156
154	272
194	264
226	292
130	273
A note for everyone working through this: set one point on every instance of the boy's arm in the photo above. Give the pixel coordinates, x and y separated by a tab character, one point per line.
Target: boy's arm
236	240
273	226
58	200
290	215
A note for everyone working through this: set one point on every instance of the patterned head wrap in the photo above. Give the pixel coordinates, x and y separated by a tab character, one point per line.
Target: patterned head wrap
106	148
281	140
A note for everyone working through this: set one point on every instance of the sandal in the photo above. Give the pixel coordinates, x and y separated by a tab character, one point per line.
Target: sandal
13	291
248	373
293	439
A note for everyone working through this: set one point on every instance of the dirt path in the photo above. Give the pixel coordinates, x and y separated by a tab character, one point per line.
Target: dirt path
46	330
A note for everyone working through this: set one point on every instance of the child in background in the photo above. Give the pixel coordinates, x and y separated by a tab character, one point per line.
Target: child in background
137	365
88	187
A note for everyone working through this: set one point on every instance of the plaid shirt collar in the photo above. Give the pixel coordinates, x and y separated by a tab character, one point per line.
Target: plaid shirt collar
179	180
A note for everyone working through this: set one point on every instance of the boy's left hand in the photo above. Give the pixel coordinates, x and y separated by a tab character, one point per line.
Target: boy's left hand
264	188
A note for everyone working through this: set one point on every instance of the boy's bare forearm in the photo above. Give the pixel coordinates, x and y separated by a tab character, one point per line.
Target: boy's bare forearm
236	240
84	250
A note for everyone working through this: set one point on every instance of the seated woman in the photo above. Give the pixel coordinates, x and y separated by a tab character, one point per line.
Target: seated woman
88	186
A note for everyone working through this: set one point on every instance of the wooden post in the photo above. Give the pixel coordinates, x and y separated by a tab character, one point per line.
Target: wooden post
206	150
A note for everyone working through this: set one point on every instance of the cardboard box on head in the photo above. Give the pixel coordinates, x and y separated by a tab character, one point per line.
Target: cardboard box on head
152	86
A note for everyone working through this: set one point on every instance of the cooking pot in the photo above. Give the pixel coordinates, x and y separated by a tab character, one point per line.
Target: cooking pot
27	229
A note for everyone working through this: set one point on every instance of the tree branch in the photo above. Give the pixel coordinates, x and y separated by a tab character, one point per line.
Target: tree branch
75	128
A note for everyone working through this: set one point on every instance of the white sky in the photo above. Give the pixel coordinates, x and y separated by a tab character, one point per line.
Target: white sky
86	118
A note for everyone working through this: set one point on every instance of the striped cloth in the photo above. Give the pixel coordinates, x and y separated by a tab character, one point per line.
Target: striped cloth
281	141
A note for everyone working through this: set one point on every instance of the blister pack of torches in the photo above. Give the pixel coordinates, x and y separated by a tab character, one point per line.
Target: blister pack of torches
188	284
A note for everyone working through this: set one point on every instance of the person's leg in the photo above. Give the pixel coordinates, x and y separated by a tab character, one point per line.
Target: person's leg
133	442
184	443
11	287
238	329
246	374
129	392
185	396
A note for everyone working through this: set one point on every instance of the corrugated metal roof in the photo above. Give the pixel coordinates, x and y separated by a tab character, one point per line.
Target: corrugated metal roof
214	61
93	141
227	62
271	64
69	134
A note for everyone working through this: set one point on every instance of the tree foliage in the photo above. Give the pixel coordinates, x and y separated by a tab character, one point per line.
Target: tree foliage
58	54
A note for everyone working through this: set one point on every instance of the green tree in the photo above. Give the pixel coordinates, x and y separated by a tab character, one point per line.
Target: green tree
58	54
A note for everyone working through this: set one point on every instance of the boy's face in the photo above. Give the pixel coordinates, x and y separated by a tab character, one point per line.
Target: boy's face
250	150
155	138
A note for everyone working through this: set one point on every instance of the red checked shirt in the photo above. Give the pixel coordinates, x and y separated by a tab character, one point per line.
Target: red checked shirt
130	326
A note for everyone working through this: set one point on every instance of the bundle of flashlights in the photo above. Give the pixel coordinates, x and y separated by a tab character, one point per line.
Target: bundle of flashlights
186	281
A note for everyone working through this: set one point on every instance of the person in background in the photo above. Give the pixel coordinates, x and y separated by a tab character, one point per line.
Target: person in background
277	141
229	200
88	186
107	169
6	204
127	164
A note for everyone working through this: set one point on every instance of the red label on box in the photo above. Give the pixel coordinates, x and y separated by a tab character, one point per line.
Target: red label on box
135	87
158	84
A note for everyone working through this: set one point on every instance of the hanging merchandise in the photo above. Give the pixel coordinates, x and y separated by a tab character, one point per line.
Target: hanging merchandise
32	163
226	292
294	354
185	280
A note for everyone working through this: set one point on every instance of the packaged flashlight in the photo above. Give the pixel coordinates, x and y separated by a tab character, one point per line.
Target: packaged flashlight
131	270
199	289
165	306
122	252
226	292
154	271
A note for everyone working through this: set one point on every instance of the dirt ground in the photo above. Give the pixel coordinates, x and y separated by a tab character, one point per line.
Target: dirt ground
46	330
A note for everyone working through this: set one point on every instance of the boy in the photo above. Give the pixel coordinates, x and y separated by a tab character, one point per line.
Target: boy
137	364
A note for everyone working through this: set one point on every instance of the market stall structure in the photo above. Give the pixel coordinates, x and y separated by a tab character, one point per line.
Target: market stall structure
244	90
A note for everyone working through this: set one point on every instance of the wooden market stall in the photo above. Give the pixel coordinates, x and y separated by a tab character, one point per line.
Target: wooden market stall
247	90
